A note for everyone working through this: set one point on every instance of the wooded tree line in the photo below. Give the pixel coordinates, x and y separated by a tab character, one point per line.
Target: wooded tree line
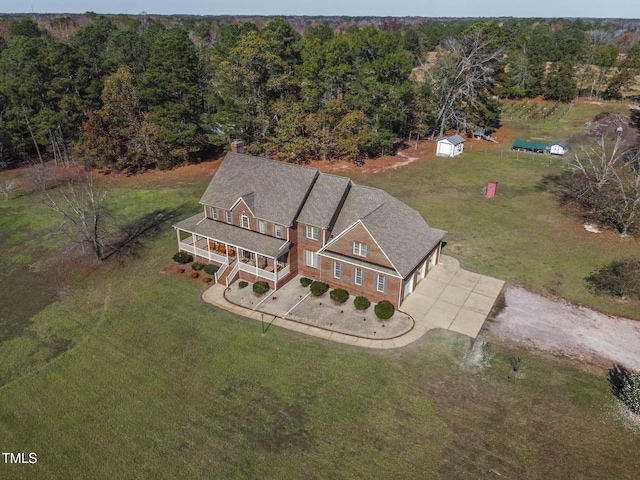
132	94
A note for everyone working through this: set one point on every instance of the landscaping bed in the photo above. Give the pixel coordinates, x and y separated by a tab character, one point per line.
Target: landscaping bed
321	311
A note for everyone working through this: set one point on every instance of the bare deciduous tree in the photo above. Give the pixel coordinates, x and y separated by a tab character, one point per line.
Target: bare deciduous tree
80	201
462	77
7	187
606	179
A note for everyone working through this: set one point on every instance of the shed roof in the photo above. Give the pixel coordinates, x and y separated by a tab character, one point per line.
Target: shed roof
562	143
541	146
453	139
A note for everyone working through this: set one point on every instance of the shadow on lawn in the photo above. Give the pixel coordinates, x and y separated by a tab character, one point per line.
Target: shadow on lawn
618	376
129	237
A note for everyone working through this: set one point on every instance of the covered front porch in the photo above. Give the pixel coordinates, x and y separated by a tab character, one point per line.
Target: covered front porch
234	249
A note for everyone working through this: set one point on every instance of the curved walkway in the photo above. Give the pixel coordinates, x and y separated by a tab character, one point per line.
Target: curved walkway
449	298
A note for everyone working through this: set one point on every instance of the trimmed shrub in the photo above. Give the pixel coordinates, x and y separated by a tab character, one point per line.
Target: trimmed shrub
182	257
260	287
384	310
180	270
206	280
339	295
242	284
361	303
630	392
625	385
211	269
318	288
195	274
305	282
197	266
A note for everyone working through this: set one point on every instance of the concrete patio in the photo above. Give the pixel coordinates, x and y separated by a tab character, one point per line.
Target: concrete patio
448	298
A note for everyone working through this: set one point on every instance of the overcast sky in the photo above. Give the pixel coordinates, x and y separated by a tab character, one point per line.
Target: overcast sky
460	8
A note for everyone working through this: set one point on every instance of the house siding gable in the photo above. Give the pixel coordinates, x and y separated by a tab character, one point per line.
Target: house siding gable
358	233
238	210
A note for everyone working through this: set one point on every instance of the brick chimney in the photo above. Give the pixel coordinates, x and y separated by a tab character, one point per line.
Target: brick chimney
237	146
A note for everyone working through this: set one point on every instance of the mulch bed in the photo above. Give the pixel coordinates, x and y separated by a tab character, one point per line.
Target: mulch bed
185	272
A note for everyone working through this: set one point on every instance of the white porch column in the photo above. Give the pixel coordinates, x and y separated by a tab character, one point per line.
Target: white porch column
178	237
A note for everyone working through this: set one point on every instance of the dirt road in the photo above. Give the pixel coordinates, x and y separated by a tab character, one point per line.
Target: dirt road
563	329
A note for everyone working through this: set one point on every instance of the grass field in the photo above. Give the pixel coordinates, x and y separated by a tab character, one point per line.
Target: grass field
521	236
165	386
119	371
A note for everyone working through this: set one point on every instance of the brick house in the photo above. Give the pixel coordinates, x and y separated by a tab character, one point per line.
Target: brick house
269	220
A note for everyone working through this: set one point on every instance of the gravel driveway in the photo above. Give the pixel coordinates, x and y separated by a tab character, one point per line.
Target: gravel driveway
564	329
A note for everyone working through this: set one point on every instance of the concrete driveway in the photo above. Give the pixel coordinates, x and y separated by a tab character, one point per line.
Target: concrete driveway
452	298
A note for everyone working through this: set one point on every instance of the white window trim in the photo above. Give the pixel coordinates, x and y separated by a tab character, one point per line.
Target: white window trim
312	233
381	279
262	226
244	217
311	259
214	213
275	231
337	270
357	270
360	249
228	217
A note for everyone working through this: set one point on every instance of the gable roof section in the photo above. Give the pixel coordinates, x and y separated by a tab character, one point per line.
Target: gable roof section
561	143
324	200
400	231
273	190
453	139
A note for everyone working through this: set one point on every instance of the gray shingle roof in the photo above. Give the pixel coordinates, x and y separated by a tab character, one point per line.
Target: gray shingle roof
455	139
400	230
279	192
324	199
239	237
275	189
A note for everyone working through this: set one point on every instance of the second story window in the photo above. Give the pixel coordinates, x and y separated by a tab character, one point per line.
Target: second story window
262	226
277	231
244	221
214	213
360	249
312	232
228	217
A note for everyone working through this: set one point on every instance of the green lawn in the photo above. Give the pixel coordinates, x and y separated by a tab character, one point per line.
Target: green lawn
165	386
521	236
119	371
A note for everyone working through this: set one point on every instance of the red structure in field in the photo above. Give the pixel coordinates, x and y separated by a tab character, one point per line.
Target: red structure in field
491	189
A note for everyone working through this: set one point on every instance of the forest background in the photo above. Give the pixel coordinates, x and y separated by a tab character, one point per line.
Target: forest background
133	92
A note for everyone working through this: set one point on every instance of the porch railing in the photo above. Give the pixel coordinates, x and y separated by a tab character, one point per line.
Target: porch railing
284	272
233	273
188	246
222	269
